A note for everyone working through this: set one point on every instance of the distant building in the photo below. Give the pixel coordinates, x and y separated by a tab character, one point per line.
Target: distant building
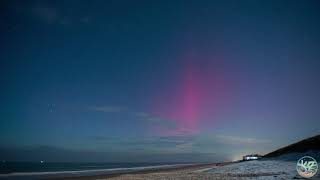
251	157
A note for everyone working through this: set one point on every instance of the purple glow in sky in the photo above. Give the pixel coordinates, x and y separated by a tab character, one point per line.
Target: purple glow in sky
158	78
198	92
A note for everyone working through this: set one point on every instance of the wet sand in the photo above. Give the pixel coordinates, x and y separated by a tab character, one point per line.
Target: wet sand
247	170
181	172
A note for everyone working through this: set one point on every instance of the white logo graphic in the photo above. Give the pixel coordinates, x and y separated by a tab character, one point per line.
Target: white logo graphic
307	167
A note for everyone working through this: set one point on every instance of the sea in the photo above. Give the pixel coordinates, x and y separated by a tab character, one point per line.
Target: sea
42	170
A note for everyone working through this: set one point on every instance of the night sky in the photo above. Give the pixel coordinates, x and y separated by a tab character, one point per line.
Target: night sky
153	81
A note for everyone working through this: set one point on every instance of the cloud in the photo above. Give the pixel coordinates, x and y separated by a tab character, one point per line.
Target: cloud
174	144
185	146
142	116
156	120
169	144
173	139
223	145
178	131
236	140
109	109
101	138
162	121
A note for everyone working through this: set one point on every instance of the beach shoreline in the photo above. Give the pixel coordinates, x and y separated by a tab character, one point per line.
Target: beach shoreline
275	169
172	169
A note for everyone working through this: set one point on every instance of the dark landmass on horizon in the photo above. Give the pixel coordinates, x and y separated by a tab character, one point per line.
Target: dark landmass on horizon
309	144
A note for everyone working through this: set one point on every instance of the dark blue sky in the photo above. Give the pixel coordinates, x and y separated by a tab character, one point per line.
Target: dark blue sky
157	80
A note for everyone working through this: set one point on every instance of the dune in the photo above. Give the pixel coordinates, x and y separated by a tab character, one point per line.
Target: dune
307	145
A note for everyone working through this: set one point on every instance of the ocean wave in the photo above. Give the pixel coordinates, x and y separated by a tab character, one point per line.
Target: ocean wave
87	172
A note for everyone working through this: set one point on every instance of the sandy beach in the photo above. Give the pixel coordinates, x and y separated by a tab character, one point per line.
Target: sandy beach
270	169
172	172
192	172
